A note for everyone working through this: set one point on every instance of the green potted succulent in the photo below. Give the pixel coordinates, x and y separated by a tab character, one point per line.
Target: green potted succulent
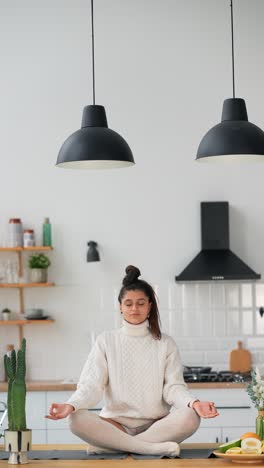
38	265
6	314
17	436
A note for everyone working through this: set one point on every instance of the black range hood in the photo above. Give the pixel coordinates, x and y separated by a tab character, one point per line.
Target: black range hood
216	261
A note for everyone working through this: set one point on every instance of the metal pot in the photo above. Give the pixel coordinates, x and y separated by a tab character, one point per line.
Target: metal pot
197	369
39	275
17	443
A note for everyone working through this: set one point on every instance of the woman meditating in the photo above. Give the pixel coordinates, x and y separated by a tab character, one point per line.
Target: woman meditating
137	371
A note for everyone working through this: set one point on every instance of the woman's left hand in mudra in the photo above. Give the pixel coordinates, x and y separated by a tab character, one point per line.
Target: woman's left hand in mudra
205	409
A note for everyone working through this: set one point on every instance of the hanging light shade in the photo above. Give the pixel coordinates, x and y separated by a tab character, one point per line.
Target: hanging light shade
94	145
235	138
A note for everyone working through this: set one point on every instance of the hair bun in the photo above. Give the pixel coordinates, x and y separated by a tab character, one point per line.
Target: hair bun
132	274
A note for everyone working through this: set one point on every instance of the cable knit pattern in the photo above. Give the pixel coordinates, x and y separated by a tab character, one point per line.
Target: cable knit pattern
137	376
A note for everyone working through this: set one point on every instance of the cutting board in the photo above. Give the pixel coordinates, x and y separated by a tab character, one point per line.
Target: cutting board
240	359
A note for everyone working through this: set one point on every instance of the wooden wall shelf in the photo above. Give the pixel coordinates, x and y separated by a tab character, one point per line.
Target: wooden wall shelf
25	249
24	322
21	286
26	285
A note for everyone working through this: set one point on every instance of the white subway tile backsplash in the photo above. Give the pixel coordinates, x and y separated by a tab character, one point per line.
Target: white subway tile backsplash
166	321
184	344
191	323
228	343
205	319
232	295
255	343
175	296
232	322
259	294
176	323
259	325
203	296
247	322
247	297
162	293
190	358
219	322
204	344
189	296
217	357
204	322
217	295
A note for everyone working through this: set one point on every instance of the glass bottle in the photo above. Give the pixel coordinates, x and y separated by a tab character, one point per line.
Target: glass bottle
260	424
46	233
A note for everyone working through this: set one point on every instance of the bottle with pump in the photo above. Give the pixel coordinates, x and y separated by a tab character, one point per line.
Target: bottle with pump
46	233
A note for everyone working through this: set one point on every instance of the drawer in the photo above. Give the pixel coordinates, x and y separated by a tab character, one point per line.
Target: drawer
62	437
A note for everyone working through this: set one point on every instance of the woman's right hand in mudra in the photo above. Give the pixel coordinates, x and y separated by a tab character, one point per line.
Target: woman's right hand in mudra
59	411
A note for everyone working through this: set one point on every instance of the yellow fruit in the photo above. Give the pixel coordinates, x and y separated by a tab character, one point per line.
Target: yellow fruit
251	452
251	445
234	451
262	448
251	435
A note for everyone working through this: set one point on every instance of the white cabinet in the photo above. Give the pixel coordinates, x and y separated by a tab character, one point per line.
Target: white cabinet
206	435
35	412
58	432
236	416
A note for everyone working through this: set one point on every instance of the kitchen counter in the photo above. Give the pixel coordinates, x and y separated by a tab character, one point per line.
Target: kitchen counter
60	385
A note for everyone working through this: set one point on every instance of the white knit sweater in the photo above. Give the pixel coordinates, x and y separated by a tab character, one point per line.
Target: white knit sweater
137	376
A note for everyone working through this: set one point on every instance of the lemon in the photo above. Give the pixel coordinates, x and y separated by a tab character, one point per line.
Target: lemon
232	443
233	451
251	445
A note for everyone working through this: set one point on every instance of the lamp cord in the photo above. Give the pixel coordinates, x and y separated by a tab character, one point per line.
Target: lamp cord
92	19
233	59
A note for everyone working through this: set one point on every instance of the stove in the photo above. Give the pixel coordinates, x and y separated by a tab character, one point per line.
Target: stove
199	374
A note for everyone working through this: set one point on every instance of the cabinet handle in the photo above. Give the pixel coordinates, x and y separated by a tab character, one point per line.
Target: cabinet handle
226	439
217	440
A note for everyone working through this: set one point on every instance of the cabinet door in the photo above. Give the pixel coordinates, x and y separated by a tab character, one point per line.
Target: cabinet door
36	410
62	436
204	434
39	437
57	397
231	433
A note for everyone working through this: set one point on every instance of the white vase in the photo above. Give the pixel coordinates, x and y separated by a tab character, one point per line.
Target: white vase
39	275
6	315
17	443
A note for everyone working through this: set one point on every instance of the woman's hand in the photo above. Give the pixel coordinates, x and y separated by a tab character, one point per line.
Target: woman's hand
59	411
205	409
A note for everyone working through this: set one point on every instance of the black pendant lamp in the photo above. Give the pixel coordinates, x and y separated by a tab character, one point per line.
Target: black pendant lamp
235	138
94	146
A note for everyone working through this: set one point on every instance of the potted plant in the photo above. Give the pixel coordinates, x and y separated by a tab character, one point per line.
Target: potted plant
6	314
39	264
17	436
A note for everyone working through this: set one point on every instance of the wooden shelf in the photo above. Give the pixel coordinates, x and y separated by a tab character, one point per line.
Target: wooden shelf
21	286
25	249
26	285
24	322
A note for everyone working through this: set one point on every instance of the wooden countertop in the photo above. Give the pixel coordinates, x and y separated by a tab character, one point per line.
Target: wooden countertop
59	385
129	462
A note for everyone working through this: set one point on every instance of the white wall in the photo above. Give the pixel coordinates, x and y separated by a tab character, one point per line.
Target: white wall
163	69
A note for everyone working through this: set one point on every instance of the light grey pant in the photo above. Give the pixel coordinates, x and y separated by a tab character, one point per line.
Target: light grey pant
175	427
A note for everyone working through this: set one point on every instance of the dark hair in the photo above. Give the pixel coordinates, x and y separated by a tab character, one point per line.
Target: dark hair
132	283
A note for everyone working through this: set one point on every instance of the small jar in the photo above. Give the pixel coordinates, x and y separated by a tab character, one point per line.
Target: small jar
15	233
29	238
